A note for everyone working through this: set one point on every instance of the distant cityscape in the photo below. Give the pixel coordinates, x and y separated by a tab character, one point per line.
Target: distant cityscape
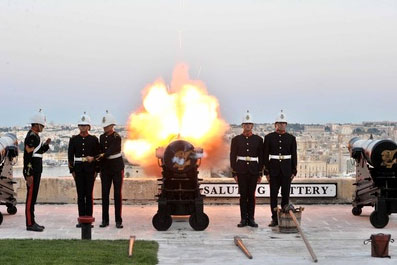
322	148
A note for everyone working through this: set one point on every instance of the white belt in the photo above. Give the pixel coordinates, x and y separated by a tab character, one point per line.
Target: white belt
280	157
37	155
114	156
80	159
248	158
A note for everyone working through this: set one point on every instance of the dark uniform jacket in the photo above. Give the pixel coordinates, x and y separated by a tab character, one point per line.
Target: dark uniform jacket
251	146
82	147
33	164
280	144
111	145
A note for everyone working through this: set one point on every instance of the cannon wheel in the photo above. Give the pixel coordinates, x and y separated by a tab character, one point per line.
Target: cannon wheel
199	222
357	211
378	220
12	210
1	218
162	222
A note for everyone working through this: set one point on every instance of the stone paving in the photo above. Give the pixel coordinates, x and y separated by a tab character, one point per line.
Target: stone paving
334	233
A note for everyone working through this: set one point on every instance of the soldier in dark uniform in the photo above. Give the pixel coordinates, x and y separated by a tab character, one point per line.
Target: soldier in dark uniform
83	148
33	167
280	160
112	169
246	161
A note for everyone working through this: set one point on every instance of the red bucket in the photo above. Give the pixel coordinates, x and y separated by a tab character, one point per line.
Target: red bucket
379	245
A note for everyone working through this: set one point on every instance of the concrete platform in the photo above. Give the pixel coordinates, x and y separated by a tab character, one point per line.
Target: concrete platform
334	233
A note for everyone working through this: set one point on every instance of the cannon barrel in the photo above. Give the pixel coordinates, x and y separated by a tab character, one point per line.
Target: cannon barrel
179	156
7	140
378	153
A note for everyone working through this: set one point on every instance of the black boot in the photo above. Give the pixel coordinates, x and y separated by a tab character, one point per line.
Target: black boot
273	223
104	224
34	228
242	223
41	226
119	225
251	222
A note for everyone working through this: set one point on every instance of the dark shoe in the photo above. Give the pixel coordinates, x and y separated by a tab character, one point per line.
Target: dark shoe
242	223
119	225
104	224
41	226
34	228
251	222
273	223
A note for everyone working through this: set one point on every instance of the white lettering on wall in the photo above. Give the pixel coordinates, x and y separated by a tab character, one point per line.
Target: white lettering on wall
312	190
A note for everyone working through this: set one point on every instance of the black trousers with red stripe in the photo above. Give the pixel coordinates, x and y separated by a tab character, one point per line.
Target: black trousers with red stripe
247	187
275	183
85	185
106	179
31	197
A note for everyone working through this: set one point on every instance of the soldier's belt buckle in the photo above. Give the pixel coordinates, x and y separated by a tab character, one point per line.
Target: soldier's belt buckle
247	158
281	157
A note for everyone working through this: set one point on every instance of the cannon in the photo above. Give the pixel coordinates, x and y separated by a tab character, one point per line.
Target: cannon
376	178
8	158
179	192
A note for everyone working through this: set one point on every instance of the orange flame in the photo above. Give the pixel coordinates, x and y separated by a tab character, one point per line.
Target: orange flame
187	112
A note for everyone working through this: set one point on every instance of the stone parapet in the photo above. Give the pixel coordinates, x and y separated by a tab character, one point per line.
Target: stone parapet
143	190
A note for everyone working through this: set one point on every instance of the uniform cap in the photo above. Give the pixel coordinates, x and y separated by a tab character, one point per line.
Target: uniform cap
247	118
281	117
108	119
84	120
38	118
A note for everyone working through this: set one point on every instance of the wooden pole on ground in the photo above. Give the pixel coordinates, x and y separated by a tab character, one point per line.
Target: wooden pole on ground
291	213
131	246
240	244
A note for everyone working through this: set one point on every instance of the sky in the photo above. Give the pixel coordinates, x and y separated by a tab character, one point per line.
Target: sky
319	61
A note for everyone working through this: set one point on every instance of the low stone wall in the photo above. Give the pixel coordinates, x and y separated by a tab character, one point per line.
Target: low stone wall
143	190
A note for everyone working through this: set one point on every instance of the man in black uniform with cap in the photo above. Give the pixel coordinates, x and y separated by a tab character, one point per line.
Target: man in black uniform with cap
83	148
112	169
246	161
33	167
280	160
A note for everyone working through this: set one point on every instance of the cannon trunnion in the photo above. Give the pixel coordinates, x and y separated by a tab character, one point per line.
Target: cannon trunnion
179	192
376	178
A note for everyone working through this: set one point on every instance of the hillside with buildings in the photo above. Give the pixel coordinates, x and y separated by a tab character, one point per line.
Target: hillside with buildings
322	148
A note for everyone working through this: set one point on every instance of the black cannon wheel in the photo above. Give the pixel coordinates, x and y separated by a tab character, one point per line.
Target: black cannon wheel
12	210
199	222
161	222
357	211
378	220
1	218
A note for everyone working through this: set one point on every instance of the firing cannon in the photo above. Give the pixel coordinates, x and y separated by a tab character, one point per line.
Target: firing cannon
376	178
179	193
8	153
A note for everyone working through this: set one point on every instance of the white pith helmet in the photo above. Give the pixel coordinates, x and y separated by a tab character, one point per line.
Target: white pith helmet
85	120
38	118
281	117
247	118
108	119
